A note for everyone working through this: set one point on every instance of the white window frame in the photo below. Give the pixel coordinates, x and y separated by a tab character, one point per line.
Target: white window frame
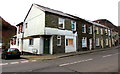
61	21
97	41
106	42
84	26
84	42
109	32
101	30
97	30
59	38
106	31
90	29
73	23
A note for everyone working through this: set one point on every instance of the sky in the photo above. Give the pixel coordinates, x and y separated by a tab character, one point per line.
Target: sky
14	11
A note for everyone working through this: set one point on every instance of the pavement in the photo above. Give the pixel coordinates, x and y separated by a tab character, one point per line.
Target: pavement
62	55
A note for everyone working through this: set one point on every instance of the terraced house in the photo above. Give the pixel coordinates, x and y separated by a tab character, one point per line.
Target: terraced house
48	31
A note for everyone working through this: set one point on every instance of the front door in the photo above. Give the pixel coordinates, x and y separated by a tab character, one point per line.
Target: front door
46	45
102	43
90	44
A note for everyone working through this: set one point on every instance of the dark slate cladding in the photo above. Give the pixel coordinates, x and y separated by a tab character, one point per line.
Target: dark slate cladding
58	49
51	20
80	34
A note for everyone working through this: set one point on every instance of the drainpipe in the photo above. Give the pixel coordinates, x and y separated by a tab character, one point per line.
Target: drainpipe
94	36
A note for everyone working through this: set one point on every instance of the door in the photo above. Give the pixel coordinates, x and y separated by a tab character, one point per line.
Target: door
46	45
102	43
90	44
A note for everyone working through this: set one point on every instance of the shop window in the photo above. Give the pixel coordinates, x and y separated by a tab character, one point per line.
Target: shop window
69	42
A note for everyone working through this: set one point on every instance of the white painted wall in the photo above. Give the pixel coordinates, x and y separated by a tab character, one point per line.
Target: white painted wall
38	45
20	34
35	22
70	48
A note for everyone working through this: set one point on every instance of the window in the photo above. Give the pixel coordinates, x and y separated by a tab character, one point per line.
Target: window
83	28
109	33
106	32
11	41
106	41
61	23
69	42
84	42
97	42
73	24
18	42
97	30
20	29
58	40
26	25
31	41
90	29
101	31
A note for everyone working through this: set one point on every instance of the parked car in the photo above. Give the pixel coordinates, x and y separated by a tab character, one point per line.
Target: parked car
10	53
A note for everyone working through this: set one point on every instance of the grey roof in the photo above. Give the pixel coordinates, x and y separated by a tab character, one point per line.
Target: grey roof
46	9
97	24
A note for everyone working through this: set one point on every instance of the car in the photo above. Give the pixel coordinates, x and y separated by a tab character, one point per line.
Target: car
10	53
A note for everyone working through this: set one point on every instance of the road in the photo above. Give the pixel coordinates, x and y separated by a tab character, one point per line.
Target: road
103	61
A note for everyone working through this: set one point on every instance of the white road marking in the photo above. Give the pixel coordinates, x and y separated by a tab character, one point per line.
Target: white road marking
14	62
34	60
115	53
110	55
75	62
24	61
4	64
107	56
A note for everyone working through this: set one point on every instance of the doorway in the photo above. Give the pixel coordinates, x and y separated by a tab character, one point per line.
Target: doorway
90	44
46	45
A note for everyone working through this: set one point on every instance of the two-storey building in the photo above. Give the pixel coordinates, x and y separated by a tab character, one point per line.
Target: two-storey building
47	31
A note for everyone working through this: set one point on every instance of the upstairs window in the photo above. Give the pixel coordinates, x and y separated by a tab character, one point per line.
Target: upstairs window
90	29
84	42
97	30
58	40
83	28
61	23
20	29
101	31
26	25
106	32
73	24
109	32
31	41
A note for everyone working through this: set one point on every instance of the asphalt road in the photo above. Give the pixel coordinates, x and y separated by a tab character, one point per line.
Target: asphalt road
103	61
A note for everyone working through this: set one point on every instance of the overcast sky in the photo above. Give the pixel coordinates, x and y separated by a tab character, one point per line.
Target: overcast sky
14	11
